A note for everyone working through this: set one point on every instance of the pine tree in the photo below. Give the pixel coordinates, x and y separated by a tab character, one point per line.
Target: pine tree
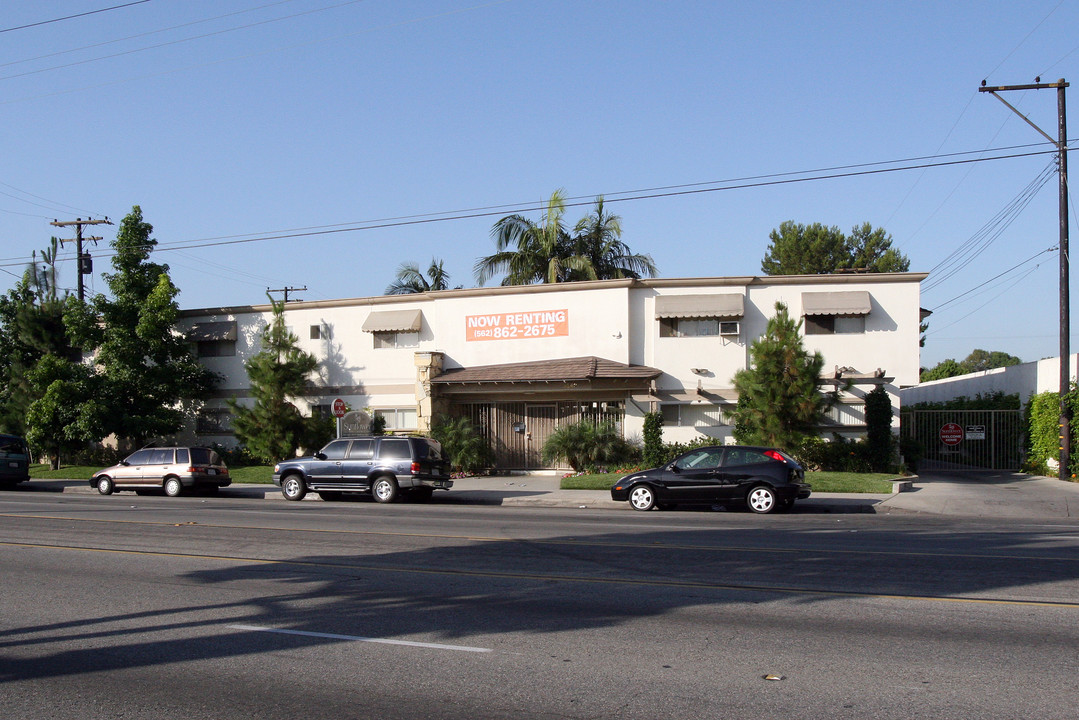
273	428
779	400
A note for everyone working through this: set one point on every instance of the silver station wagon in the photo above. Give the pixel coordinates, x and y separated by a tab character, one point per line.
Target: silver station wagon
172	469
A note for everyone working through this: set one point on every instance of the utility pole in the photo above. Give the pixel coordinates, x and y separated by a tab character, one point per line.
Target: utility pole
85	263
1065	302
287	290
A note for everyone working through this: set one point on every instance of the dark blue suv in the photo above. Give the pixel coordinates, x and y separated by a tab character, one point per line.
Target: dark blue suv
384	466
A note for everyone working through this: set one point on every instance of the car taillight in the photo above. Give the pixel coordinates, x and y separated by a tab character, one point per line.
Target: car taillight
775	455
415	468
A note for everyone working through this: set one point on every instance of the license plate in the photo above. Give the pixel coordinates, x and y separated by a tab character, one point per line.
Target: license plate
12	463
211	471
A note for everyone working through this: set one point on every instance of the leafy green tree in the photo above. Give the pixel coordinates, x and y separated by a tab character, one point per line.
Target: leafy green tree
944	369
979	360
273	428
797	249
410	280
68	412
780	402
31	327
463	443
530	252
150	378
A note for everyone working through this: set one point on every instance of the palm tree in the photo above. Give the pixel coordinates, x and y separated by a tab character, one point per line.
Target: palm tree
410	280
532	253
546	253
597	237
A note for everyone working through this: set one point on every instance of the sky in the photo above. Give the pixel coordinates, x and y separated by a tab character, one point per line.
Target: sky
320	144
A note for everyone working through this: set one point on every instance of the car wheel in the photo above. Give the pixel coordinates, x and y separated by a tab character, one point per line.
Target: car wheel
384	490
173	487
762	499
330	495
104	485
421	494
292	487
642	497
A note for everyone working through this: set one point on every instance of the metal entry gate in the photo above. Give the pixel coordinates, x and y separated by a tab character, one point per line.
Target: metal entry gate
960	439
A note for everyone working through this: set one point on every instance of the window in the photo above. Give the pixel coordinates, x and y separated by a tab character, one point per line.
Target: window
316	332
161	456
701	460
139	457
362	449
396	340
335	450
216	348
834	324
214	421
398	418
394	449
691	415
321	411
689	327
742	456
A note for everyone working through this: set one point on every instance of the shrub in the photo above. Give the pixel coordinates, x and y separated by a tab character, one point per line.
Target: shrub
463	443
654	451
587	444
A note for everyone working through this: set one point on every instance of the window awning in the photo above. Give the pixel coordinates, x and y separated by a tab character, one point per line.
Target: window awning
855	302
210	331
393	321
700	306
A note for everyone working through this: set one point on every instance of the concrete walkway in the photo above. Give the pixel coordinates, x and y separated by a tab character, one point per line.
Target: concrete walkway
983	494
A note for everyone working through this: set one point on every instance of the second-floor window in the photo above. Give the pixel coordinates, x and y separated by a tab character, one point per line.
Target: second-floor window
398	340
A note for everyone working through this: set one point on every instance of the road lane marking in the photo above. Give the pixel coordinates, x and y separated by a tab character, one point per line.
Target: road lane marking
571	543
659	583
358	638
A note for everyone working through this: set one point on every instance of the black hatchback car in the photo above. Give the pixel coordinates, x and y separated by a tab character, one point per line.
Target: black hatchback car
384	466
765	479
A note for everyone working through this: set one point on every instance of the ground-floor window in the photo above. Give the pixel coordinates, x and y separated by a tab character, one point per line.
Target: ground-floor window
692	415
398	419
214	421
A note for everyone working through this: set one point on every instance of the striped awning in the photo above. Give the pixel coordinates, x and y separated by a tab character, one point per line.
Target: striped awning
393	321
729	305
855	302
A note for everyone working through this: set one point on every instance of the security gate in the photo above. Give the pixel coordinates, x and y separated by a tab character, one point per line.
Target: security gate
961	439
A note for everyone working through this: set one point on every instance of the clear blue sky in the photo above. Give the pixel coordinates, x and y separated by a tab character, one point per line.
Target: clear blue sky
238	119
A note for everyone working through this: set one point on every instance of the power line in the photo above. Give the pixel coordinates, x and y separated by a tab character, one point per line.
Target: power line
71	17
577	201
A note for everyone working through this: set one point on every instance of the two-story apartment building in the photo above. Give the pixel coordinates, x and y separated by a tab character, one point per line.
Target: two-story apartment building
521	360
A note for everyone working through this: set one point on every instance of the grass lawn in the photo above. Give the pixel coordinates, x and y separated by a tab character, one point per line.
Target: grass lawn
819	481
253	474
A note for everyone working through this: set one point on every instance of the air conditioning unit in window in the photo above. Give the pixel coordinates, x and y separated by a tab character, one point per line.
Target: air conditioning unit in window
730	327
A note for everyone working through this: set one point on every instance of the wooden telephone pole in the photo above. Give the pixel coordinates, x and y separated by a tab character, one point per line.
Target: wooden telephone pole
1065	302
85	263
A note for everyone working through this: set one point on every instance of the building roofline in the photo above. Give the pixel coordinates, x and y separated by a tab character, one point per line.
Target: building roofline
736	281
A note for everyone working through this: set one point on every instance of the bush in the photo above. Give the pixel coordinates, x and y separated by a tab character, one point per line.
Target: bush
654	451
912	451
587	445
463	443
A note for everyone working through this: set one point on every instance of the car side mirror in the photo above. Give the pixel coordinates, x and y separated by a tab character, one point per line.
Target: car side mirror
674	468
125	463
320	456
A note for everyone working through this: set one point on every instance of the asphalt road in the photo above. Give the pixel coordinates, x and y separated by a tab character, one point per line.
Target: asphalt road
191	607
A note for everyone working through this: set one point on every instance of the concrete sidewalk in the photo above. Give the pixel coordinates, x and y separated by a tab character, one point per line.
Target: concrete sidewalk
983	494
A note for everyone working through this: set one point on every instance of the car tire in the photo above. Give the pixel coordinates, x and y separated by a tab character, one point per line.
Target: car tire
421	494
761	499
105	486
642	497
292	487
173	487
330	495
384	490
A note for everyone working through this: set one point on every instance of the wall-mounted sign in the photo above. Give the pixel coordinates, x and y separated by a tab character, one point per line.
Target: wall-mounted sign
517	325
975	432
